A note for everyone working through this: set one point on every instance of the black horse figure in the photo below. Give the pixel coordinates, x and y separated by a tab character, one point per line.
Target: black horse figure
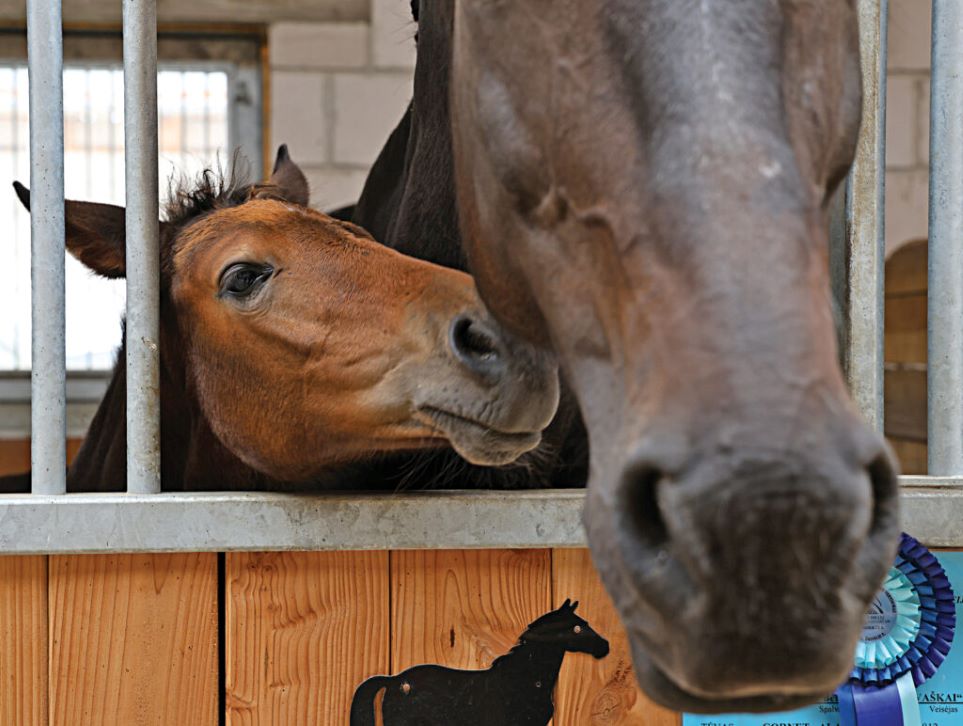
515	691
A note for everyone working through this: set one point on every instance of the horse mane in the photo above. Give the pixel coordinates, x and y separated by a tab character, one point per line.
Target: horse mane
548	618
190	198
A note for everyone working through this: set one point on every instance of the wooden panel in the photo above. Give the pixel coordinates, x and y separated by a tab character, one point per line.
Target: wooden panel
15	454
905	397
133	640
906	269
595	692
23	641
464	608
302	630
905	335
911	456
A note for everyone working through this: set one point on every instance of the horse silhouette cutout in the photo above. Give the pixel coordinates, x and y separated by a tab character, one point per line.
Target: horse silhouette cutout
517	690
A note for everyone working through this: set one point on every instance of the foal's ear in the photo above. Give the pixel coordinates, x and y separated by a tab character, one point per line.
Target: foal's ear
94	233
289	179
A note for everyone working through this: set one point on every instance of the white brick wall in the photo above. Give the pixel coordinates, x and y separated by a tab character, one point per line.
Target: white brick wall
337	91
365	108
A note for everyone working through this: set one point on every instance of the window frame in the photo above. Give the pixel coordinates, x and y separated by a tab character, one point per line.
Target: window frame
239	52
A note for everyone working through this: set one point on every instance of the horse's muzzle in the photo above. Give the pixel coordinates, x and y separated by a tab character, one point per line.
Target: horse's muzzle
744	574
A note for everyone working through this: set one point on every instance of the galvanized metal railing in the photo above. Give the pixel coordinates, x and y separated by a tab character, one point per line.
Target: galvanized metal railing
945	273
48	454
146	520
143	247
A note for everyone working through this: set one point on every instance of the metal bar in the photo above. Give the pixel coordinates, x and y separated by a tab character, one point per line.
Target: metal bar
205	522
931	482
15	203
861	296
945	289
48	449
170	522
143	248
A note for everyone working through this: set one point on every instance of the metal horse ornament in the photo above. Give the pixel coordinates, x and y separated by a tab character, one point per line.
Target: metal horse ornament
515	691
643	186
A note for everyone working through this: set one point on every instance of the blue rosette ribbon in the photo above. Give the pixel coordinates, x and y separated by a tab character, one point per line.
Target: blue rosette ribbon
906	636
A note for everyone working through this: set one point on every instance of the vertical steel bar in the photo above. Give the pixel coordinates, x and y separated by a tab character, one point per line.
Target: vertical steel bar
48	449
861	298
143	248
15	204
945	304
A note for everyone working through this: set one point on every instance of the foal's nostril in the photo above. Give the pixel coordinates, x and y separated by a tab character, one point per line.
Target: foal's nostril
641	491
475	346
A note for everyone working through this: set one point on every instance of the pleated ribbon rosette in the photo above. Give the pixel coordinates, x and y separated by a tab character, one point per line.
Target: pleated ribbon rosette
906	637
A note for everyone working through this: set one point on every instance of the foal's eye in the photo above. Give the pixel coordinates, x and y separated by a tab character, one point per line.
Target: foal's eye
244	279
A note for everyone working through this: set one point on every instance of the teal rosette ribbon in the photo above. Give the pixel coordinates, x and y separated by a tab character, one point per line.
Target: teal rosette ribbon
906	637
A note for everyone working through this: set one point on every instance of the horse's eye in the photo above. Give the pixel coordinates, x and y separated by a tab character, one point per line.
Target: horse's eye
577	628
244	279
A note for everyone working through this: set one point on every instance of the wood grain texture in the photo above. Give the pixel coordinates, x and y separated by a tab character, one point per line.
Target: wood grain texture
911	455
905	329
594	692
464	608
302	630
23	641
906	268
905	354
133	640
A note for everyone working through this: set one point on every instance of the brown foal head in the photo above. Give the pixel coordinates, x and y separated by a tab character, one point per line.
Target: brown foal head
650	198
306	343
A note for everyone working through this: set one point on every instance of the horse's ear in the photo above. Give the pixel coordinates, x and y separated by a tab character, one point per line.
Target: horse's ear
566	603
574	605
289	179
94	233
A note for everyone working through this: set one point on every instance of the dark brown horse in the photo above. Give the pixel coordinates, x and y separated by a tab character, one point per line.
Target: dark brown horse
292	343
643	186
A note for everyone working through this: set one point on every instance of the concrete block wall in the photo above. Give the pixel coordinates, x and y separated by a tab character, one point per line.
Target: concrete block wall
337	91
907	122
338	88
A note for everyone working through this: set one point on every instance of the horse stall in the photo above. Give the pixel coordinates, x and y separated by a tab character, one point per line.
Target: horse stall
152	607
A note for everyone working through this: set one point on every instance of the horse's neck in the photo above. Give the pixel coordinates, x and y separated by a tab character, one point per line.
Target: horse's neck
408	202
539	663
192	457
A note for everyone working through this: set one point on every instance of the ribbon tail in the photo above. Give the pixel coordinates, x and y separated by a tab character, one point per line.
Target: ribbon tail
847	709
909	700
878	706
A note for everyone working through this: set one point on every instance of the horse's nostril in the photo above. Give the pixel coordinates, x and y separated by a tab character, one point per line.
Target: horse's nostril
885	488
641	491
475	346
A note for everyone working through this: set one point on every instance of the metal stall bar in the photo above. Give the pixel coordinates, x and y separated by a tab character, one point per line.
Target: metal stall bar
48	418
945	290
859	256
143	247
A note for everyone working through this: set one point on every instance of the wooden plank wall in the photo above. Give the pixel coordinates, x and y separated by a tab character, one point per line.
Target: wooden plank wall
905	355
134	639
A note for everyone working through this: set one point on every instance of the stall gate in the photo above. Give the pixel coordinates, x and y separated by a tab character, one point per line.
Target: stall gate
205	609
